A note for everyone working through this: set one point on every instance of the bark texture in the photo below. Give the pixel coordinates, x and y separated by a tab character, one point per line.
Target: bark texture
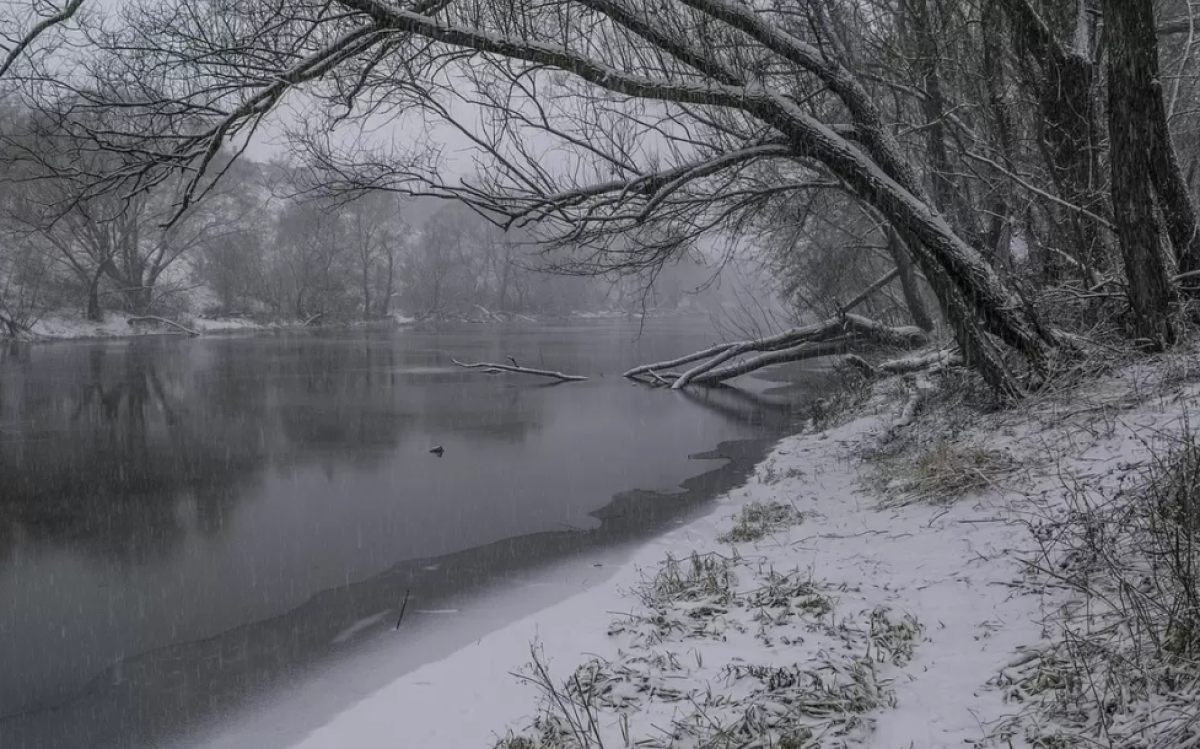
1132	92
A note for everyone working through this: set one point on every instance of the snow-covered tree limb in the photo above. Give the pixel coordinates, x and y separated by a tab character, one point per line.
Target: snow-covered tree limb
493	368
25	40
834	336
932	361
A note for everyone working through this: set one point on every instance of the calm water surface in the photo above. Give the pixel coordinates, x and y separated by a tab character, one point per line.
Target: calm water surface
184	523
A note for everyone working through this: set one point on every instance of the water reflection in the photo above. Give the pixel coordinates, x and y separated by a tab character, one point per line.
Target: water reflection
184	523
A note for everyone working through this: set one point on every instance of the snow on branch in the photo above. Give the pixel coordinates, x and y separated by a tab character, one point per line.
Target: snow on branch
930	362
493	368
836	335
22	43
164	321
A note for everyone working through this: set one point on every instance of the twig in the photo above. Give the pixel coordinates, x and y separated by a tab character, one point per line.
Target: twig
403	606
492	367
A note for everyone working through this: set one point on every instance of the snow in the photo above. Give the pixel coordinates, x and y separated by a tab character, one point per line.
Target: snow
935	564
63	325
812	602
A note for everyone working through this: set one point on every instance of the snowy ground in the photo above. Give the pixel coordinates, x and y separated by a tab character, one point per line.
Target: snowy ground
805	606
867	588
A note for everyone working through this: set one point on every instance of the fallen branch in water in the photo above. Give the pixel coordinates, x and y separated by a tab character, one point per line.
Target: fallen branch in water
164	321
834	336
493	368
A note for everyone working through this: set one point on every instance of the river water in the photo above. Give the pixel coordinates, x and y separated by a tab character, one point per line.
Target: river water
186	525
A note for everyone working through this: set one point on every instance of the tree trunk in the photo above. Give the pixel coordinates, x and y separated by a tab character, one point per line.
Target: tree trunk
908	283
502	293
366	291
1132	64
1068	131
385	304
93	297
1174	197
998	239
948	199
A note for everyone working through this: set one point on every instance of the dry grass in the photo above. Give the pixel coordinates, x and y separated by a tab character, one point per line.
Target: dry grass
1123	666
943	472
759	519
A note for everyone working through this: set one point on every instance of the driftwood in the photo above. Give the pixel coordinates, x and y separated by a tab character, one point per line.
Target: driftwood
164	321
836	335
493	368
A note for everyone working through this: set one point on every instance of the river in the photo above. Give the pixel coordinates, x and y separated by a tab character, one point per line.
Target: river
189	524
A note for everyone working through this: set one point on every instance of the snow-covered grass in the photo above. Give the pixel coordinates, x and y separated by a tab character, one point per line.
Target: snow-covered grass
1022	578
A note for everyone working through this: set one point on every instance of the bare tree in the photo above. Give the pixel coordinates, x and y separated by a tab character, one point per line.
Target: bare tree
676	119
24	26
375	231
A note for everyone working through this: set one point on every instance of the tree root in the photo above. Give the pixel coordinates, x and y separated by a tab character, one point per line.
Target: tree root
493	368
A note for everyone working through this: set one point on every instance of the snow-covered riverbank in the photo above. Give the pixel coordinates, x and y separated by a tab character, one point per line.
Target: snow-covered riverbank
64	326
865	588
72	326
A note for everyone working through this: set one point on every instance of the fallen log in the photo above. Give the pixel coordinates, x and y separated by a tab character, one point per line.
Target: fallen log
796	353
164	321
697	356
836	335
493	368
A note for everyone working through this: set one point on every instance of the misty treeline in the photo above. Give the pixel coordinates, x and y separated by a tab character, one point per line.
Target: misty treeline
266	241
246	251
261	244
1018	174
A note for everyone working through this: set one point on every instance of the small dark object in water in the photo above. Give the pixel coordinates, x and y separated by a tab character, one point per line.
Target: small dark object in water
514	361
438	451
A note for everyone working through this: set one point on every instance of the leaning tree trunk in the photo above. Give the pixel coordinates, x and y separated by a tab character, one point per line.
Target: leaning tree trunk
1132	65
1174	197
908	282
975	299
